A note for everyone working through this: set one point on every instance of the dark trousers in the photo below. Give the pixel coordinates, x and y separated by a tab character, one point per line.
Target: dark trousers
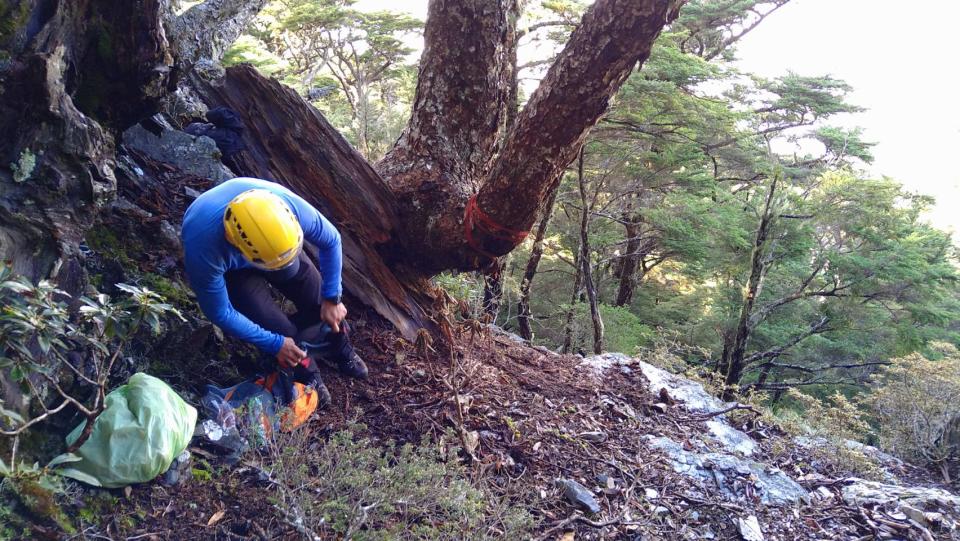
250	294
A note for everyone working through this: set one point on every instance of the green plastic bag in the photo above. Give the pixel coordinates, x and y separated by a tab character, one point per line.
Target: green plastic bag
144	427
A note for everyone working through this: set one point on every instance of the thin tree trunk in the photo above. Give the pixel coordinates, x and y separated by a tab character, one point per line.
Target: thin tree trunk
735	345
536	252
585	260
764	374
493	290
574	299
628	266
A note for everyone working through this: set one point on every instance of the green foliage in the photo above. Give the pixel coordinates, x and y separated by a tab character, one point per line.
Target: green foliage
39	333
831	426
677	176
625	331
250	50
355	488
917	404
465	288
352	64
31	496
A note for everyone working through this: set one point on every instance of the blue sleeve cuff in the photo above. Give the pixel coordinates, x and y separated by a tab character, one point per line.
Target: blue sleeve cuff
274	348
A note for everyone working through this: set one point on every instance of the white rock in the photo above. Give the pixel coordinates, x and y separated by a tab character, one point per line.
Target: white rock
598	364
693	395
733	440
728	472
750	528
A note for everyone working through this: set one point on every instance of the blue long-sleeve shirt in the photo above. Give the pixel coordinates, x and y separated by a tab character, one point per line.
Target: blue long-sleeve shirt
208	255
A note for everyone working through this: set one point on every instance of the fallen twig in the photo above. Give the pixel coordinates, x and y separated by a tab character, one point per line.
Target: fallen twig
578	517
711	415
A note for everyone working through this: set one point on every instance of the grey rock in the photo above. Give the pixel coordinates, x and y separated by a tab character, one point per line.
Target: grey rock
823	493
750	528
730	473
693	395
170	235
594	436
696	399
861	491
578	495
733	440
179	470
927	507
598	364
194	155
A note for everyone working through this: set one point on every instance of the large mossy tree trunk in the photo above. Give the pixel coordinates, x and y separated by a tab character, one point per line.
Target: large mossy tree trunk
75	74
457	191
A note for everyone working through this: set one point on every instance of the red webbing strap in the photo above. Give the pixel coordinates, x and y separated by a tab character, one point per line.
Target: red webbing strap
474	217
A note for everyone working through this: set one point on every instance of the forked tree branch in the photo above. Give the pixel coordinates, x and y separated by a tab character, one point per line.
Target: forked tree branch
613	37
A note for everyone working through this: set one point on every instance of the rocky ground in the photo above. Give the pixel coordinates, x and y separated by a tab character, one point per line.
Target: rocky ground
606	447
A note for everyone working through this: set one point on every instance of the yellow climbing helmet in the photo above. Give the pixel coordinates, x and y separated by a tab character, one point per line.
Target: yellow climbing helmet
262	226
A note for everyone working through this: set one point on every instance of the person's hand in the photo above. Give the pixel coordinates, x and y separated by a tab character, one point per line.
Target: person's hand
332	314
290	355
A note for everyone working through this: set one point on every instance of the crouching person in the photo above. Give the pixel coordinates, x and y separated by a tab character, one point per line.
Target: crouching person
247	234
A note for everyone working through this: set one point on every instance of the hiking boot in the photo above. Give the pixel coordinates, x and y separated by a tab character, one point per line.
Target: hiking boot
352	365
323	394
319	341
308	374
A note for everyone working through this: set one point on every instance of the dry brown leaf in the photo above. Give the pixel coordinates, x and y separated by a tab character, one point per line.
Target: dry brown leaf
567	536
217	517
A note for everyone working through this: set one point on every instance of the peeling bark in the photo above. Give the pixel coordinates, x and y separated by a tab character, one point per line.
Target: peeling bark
204	32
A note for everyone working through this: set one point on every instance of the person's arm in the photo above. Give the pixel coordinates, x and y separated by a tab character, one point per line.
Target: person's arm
319	231
211	290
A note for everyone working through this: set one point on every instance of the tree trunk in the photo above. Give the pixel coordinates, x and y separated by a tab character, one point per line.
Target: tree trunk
336	179
75	76
735	343
493	291
588	285
628	266
463	203
536	252
574	299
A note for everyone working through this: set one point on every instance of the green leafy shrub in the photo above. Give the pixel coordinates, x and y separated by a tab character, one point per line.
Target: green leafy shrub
62	359
354	488
917	404
623	330
834	423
